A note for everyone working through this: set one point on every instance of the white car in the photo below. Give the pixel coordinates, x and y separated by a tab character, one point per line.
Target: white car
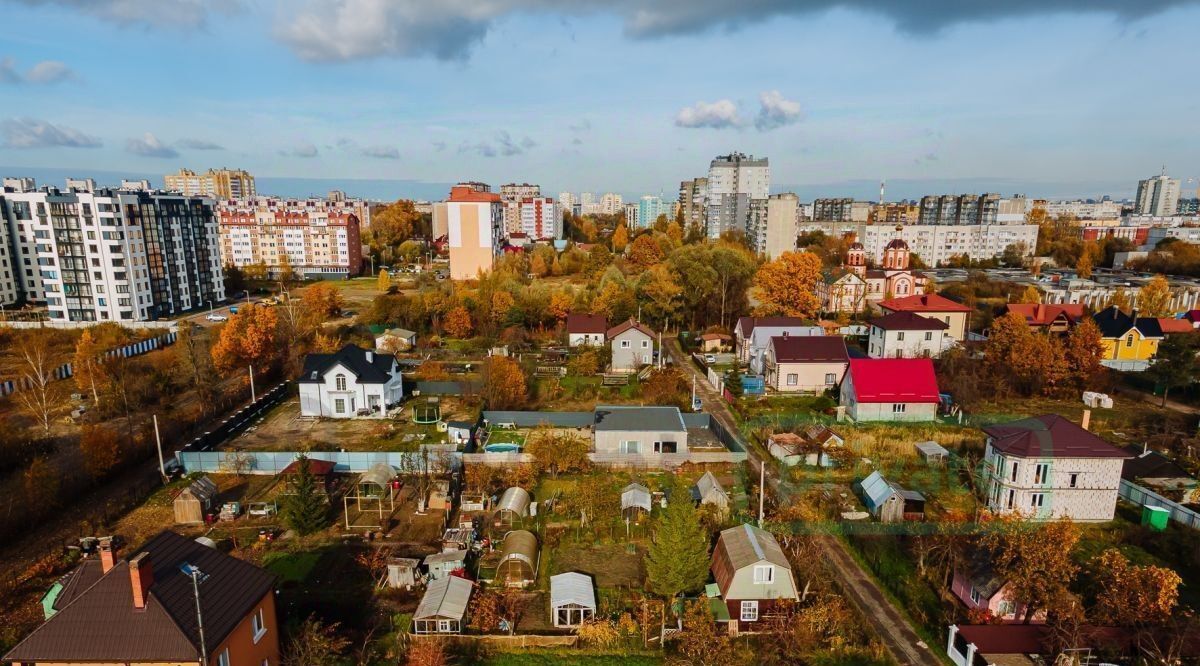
212	316
710	358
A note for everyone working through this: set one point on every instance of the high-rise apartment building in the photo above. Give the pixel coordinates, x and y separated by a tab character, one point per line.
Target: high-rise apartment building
693	200
475	230
935	244
1157	196
772	228
567	202
315	238
588	205
734	181
649	208
611	204
216	183
98	254
631	215
960	209
894	213
511	195
540	218
1188	207
841	210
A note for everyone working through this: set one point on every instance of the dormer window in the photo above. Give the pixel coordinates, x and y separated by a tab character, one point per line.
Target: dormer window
340	382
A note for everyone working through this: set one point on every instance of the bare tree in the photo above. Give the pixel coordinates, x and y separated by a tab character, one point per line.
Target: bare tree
33	360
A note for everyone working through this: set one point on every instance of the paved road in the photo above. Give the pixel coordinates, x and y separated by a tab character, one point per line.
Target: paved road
862	589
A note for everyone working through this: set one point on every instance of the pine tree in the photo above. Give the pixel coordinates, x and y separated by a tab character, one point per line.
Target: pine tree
677	560
304	511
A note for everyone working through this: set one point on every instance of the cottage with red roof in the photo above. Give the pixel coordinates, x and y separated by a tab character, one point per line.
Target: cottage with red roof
933	306
1055	318
1047	468
804	363
890	389
586	330
632	346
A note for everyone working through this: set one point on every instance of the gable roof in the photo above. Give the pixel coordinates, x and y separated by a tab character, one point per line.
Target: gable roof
908	321
1168	325
445	597
1050	436
743	546
1153	465
100	624
625	326
1114	323
1044	314
746	325
893	380
586	323
635	495
572	587
923	303
809	349
705	486
354	359
634	418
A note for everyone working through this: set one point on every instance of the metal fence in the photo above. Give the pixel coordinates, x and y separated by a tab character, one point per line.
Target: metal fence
67	370
274	462
1131	492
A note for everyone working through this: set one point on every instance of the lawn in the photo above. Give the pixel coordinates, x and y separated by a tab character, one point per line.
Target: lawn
505	436
292	567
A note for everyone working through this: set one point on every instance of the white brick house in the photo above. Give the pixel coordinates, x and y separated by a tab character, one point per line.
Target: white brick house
1046	467
350	381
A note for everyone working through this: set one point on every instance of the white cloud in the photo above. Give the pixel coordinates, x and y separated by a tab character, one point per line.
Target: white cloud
31	133
198	144
158	13
150	146
776	111
8	71
382	152
720	114
44	72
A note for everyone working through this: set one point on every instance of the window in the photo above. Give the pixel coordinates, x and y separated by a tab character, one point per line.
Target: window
1040	472
258	623
793	379
900	336
975	596
444	626
1013	474
340	382
899	407
928	336
1012	495
749	611
1037	500
830	379
223	658
645	344
339	406
764	574
630	446
624	344
1074	481
1129	340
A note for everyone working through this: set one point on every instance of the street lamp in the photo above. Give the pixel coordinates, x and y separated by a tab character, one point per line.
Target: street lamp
210	305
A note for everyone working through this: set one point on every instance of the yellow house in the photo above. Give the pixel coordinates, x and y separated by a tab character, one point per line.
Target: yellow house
1130	342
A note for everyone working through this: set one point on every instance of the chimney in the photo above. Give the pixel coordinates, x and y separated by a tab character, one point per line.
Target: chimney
1087	419
107	556
141	577
371	356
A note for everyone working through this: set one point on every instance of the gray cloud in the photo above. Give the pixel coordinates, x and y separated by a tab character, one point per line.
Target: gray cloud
44	72
582	126
304	150
32	133
449	29
503	145
158	13
439	146
576	141
382	152
720	114
150	146
776	111
198	144
8	71
481	148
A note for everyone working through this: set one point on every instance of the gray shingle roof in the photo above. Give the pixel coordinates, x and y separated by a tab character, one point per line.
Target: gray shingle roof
624	418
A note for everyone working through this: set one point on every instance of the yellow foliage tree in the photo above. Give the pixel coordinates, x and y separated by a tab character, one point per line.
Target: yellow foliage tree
620	238
1134	595
250	337
1031	294
787	285
560	305
502	302
458	322
504	384
383	281
1087	259
1154	299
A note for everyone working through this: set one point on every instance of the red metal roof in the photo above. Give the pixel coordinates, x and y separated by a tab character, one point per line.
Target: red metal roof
1169	325
1050	436
1042	314
586	323
893	380
923	303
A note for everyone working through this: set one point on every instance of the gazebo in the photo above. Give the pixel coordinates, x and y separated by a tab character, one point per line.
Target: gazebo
374	485
518	559
572	599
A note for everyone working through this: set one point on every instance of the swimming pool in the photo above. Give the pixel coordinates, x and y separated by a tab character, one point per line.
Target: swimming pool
502	448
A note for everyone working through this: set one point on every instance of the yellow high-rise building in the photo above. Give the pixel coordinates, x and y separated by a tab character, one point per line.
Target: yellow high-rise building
217	183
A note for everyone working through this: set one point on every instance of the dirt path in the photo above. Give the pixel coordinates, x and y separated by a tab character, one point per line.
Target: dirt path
862	589
1156	400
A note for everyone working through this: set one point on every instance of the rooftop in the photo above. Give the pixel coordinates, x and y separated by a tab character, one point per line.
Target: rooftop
1050	436
908	321
893	380
923	303
809	349
625	418
586	323
368	366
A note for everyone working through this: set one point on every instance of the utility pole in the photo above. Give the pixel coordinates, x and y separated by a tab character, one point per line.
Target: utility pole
162	469
762	476
252	397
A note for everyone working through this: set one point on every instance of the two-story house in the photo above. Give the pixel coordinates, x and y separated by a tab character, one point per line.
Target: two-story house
753	334
907	335
1130	342
632	346
348	383
808	364
1047	467
933	306
1053	318
752	574
149	609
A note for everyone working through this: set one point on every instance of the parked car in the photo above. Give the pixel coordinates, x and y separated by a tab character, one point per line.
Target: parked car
710	358
233	309
212	316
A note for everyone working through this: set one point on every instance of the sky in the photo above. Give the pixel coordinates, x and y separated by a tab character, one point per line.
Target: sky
389	98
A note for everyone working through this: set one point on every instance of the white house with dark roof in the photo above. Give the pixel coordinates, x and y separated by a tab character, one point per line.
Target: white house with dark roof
586	330
349	383
907	335
629	429
808	364
753	335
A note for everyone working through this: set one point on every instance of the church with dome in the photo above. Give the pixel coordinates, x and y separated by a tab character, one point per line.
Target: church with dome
854	286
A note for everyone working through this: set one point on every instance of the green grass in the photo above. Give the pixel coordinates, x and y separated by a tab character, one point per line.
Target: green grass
558	657
895	570
292	567
502	436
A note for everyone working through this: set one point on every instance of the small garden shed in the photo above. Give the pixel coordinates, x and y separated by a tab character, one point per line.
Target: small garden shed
440	565
194	501
518	559
932	452
572	599
402	572
709	491
889	502
443	609
635	501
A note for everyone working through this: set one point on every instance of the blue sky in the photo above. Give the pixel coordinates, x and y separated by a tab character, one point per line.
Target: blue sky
1034	96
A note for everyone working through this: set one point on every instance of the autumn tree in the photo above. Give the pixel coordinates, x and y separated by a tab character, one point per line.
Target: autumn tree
1034	557
1031	294
1028	361
503	384
32	360
390	228
1120	300
1087	260
1084	350
323	301
560	305
667	386
1175	363
645	251
620	238
427	653
557	451
677	560
1154	299
584	364
787	285
101	450
458	322
596	501
305	509
659	293
250	337
315	643
194	364
42	483
701	643
383	282
86	365
502	303
1131	595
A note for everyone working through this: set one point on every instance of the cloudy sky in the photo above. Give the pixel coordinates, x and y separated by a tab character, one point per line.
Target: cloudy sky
1049	97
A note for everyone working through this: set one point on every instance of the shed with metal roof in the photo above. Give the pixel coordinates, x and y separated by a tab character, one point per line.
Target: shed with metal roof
443	609
572	599
888	501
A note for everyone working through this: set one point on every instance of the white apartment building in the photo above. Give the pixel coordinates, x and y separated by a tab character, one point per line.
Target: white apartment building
772	227
95	254
314	237
631	215
540	218
511	195
1157	196
734	181
567	202
935	244
588	204
8	268
611	204
1084	210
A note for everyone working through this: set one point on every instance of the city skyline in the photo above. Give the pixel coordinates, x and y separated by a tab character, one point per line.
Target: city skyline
1032	101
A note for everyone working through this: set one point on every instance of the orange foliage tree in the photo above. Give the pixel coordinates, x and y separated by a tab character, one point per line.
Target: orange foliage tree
503	383
101	450
250	337
645	251
1026	361
1034	557
560	305
787	285
322	301
1084	350
458	322
620	238
1134	595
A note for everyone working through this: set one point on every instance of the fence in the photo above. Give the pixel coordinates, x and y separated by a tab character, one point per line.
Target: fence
535	419
1131	492
274	462
53	323
239	420
445	388
504	642
67	370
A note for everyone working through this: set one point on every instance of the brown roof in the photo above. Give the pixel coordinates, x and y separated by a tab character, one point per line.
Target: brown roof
100	623
809	349
1044	314
1050	436
315	467
586	323
625	326
743	546
908	321
747	324
1169	325
715	336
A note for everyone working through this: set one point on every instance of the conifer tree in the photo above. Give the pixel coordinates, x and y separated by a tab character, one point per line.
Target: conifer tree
304	511
677	560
